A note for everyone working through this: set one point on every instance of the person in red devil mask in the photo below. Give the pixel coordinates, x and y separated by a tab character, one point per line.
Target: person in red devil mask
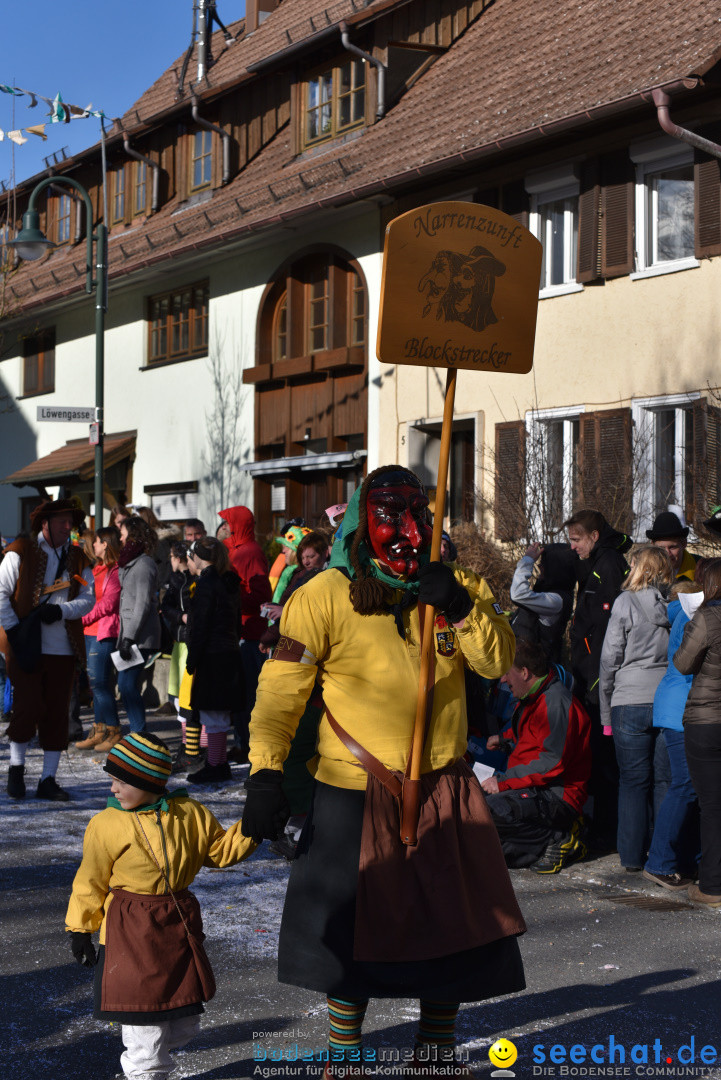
366	916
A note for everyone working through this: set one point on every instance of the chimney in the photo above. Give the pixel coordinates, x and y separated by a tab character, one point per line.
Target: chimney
204	31
256	12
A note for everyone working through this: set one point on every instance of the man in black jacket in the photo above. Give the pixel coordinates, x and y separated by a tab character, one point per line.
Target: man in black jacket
601	573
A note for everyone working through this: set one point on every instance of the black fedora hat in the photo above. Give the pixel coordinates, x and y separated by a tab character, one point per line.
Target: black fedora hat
666	526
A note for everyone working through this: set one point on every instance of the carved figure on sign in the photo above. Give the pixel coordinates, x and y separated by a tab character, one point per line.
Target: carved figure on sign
460	287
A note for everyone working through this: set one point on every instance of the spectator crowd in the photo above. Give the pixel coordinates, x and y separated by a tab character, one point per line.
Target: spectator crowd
593	728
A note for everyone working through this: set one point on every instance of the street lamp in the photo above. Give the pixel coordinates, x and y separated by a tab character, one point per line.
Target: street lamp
31	243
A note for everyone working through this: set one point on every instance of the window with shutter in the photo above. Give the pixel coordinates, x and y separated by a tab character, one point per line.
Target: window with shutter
39	363
510	482
552	439
589	224
665	207
616	215
707	194
703	464
605	474
663	455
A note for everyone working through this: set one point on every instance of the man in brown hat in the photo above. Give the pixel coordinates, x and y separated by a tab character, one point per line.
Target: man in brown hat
46	586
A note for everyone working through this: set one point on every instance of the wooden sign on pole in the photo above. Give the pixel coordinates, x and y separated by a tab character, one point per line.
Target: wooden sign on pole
459	290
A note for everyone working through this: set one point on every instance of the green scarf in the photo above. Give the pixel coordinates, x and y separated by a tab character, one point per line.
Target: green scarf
161	803
340	552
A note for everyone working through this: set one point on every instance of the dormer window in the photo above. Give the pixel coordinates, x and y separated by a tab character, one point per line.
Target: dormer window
118	197
140	188
201	160
63	207
334	101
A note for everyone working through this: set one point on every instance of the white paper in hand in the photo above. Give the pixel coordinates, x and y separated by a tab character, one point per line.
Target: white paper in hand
482	771
121	665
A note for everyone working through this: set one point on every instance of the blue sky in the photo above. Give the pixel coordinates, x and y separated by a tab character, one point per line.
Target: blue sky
98	52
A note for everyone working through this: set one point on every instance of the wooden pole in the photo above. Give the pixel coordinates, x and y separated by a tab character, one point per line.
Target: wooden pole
411	787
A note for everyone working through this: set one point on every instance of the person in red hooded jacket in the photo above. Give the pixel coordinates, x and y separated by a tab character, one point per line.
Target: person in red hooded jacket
251	566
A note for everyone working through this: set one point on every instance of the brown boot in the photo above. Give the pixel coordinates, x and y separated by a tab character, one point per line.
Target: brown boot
95	736
113	735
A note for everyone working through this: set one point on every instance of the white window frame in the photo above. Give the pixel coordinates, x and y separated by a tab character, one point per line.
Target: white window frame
535	418
651	157
643	413
554	185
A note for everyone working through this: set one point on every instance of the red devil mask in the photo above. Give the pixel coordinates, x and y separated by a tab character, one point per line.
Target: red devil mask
398	525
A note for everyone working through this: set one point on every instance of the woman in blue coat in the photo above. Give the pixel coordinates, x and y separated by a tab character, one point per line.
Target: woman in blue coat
675	843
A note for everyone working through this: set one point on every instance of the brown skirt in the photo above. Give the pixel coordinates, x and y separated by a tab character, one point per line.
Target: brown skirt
150	965
450	891
316	948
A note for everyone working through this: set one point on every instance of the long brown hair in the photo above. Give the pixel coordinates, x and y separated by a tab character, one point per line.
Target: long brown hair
110	536
711	581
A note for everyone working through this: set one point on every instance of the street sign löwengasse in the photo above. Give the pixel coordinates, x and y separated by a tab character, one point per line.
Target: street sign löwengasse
460	289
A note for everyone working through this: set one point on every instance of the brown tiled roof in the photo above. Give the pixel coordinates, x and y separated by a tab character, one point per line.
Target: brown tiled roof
293	22
521	68
74	461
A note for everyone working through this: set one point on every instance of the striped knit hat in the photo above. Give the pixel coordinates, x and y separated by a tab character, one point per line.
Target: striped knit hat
140	760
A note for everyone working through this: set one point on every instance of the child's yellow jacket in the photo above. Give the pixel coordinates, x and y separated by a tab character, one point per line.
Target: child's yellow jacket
184	837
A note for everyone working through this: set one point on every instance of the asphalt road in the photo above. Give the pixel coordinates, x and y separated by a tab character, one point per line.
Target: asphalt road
612	979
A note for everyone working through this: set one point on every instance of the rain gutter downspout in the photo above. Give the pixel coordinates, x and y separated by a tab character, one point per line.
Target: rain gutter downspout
206	124
155	196
662	102
377	64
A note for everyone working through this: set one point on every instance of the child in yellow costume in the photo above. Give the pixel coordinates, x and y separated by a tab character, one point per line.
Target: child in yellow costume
140	855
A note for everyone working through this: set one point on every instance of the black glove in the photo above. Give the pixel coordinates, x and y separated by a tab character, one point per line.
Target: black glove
125	648
439	588
83	948
50	613
266	807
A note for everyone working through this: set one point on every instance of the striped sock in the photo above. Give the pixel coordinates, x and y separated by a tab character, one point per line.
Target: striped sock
437	1025
217	747
346	1020
192	740
182	731
203	736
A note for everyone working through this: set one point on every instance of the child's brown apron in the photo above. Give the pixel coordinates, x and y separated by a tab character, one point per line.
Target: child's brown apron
451	891
154	957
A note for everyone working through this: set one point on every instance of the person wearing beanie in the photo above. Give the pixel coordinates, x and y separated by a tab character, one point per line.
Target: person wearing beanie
46	586
140	855
365	915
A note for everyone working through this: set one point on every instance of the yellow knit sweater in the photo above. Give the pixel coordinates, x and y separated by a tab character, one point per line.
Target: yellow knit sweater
369	677
116	855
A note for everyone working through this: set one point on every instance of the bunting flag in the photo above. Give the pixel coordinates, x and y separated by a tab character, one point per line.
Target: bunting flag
60	111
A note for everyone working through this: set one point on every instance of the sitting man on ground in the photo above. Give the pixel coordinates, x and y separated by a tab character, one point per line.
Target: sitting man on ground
536	802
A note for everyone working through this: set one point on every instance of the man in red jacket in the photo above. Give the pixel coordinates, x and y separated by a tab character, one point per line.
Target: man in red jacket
251	566
536	802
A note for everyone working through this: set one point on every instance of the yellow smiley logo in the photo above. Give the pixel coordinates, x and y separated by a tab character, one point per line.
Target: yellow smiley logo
503	1053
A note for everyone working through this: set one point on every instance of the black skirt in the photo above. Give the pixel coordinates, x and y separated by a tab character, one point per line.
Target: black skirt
318	925
148	1018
